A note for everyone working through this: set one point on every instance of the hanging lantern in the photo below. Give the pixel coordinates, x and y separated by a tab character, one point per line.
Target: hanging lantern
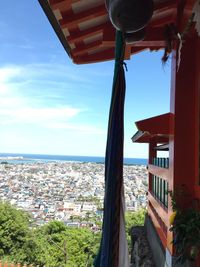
130	15
134	37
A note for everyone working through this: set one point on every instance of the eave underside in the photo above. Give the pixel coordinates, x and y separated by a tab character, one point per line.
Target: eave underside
86	33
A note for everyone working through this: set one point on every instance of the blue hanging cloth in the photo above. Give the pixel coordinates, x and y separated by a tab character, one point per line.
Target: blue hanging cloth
113	250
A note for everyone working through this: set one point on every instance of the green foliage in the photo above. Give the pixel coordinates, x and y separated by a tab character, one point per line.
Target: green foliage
185	227
65	246
133	219
14	232
51	245
54	227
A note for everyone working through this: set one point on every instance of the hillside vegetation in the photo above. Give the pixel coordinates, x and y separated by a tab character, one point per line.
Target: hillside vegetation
51	245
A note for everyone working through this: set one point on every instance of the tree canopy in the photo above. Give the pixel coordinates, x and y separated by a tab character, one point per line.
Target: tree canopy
53	244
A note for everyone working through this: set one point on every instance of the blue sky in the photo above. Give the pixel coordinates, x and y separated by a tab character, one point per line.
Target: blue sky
49	105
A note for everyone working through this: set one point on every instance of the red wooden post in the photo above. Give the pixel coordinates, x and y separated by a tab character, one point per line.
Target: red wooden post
183	145
152	154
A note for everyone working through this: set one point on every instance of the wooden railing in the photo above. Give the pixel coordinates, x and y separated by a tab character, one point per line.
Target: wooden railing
159	179
160	190
158	196
161	162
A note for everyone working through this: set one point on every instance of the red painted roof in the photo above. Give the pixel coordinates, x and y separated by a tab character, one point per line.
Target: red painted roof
157	129
86	33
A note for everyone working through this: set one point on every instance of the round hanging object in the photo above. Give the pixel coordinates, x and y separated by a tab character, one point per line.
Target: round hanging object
134	37
130	15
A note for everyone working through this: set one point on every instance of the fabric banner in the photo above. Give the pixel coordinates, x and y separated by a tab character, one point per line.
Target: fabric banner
114	250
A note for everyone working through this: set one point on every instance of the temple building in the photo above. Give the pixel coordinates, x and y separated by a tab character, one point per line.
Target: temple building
86	29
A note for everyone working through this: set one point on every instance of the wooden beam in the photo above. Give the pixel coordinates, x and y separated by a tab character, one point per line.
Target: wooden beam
75	19
164	147
86	48
78	36
62	5
127	53
161	211
104	55
54	23
166	5
163	173
156	22
151	43
109	35
156	224
135	50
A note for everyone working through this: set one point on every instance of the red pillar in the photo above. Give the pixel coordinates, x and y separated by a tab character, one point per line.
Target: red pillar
152	154
183	151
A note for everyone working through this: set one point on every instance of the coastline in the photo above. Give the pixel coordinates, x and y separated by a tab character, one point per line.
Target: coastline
28	158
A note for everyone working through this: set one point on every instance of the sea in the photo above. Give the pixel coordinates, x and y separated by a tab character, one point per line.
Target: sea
16	158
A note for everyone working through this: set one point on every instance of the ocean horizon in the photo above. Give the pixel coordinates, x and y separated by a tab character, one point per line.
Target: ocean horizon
16	158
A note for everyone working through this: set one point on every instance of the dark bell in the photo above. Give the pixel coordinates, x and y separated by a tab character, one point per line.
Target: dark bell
130	15
134	37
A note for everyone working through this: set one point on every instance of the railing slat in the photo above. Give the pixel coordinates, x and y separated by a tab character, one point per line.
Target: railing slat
157	225
160	209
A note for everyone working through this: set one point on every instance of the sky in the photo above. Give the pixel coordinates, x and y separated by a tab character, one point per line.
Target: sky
49	105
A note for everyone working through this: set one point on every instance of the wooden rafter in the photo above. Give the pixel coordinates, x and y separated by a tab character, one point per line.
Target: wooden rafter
90	36
77	36
75	19
62	5
86	48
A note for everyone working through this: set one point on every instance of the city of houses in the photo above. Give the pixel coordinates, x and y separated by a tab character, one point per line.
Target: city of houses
71	192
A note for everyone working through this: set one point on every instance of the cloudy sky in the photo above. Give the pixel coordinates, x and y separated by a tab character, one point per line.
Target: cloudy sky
48	105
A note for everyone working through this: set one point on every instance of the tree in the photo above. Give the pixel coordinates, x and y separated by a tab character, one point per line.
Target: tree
15	235
65	246
52	245
133	219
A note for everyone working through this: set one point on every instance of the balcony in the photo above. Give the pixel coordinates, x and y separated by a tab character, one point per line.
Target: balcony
158	195
160	186
156	131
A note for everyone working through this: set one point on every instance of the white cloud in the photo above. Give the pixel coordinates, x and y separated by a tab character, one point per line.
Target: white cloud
37	115
15	107
8	73
23	103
